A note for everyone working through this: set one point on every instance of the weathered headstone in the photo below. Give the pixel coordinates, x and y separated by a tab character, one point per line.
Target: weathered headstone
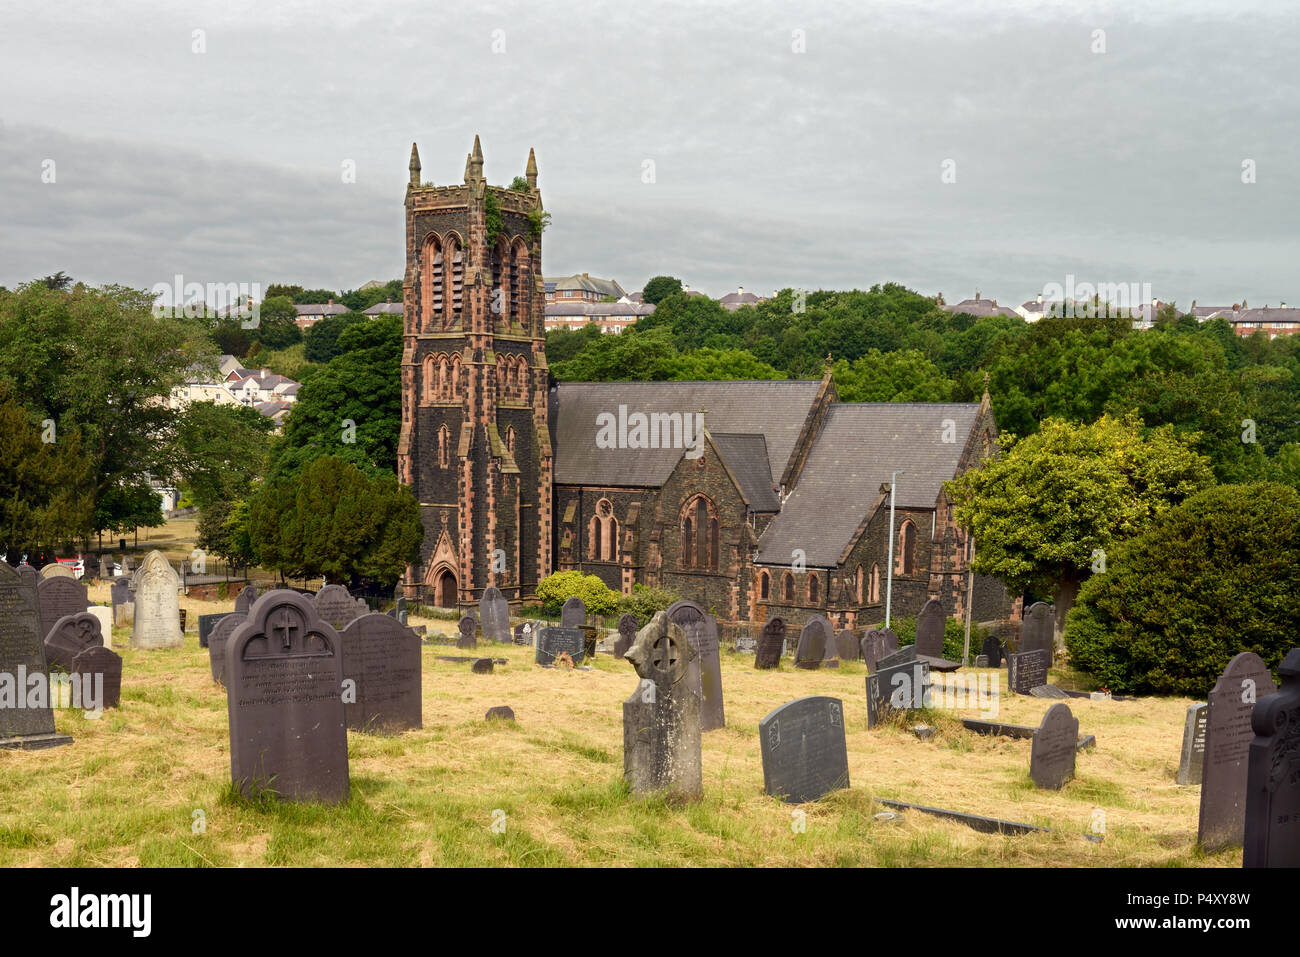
399	611
26	718
627	629
553	641
1272	819
481	666
157	605
991	649
382	657
59	597
661	720
876	644
901	656
1228	735
502	712
495	612
701	632
902	687
1027	670
811	650
929	629
71	635
207	623
288	732
771	643
217	644
523	633
105	568
467	628
55	570
336	606
244	600
105	616
1051	756
573	614
846	646
103	667
1036	629
1192	759
803	749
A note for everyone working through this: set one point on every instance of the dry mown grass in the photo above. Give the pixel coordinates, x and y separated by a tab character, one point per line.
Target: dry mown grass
126	791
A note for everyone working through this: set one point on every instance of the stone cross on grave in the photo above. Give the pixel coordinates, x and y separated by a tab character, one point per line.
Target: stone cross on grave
288	626
664	654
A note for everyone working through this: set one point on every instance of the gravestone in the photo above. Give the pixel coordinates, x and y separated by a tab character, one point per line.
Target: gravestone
553	641
105	568
1228	735
399	611
26	717
846	646
71	635
123	602
803	749
467	627
105	616
502	712
1051	756
217	644
902	656
813	639
336	606
288	729
745	644
29	575
103	667
1272	819
58	597
495	612
991	649
1036	629
128	566
1192	759
771	642
929	636
481	666
207	623
626	635
573	614
1027	670
661	720
55	570
902	687
876	644
244	600
701	632
157	605
523	633
382	657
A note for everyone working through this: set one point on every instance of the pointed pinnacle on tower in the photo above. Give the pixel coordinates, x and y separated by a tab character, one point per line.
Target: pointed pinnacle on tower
415	165
531	170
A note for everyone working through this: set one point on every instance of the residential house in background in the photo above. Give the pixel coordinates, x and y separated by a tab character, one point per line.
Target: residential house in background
610	316
581	287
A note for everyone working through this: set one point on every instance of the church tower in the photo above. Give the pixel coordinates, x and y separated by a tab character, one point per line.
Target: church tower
475	446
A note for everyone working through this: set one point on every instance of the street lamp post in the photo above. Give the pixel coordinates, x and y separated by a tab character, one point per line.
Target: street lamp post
889	569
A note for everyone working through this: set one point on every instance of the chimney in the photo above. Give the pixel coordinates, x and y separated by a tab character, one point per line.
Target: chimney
1040	298
331	302
995	303
977	295
740	290
686	287
585	276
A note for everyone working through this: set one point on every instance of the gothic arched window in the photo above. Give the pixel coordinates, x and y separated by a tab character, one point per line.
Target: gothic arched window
787	588
906	563
764	586
814	589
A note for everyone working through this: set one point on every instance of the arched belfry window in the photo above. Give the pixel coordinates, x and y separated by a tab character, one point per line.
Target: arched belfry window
431	285
456	280
906	561
700	534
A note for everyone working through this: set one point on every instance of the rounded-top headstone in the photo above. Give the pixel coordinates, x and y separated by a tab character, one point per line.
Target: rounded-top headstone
157	605
71	635
337	606
55	570
495	612
573	614
929	629
1056	742
811	650
771	644
627	629
1036	630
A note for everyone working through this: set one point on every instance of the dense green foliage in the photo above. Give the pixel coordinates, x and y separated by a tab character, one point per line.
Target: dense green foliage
322	338
660	288
554	590
954	635
645	601
1212	577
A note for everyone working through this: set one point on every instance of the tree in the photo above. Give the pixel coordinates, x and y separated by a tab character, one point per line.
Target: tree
277	324
46	487
59	281
660	288
99	362
223	530
352	407
334	520
221	450
322	337
1216	575
631	355
709	364
1056	503
904	376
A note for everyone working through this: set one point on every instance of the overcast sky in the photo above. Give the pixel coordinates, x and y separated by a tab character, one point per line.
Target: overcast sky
772	167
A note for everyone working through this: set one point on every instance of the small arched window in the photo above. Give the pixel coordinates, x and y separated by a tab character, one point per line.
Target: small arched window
764	586
444	447
857	584
688	541
510	440
814	589
906	563
875	582
787	587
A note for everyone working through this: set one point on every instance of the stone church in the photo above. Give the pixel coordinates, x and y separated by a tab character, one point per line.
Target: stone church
754	498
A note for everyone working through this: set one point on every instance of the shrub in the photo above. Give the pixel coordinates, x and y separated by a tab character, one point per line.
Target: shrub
1212	577
644	602
954	635
554	590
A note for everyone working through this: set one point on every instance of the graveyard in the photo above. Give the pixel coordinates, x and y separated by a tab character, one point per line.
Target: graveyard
149	782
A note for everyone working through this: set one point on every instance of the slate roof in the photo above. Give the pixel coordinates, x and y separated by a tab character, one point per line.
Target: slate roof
776	409
320	309
602	287
859	446
980	307
576	307
386	309
746	456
